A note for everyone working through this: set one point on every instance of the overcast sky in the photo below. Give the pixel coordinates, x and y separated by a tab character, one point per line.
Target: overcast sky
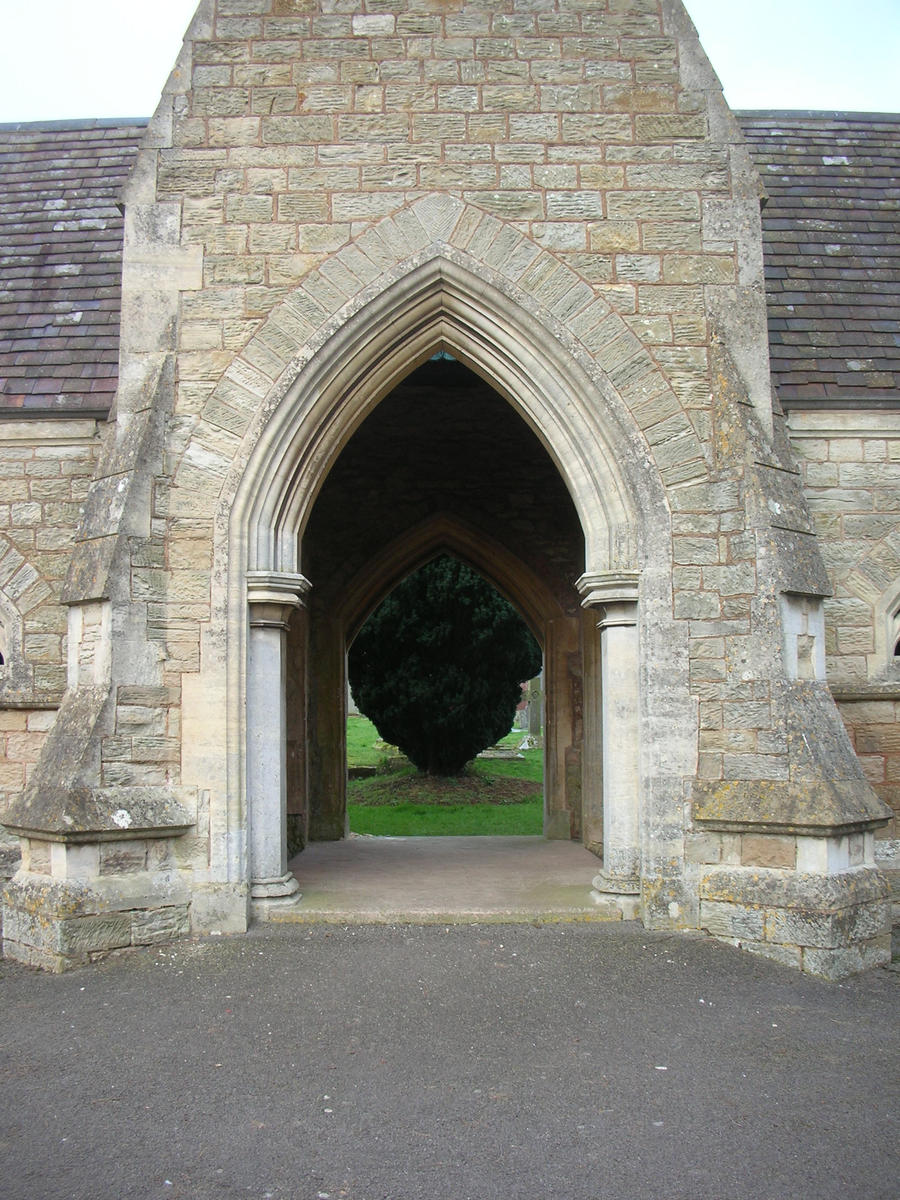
61	59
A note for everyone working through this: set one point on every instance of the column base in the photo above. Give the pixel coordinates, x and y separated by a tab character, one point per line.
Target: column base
620	885
280	887
623	893
619	893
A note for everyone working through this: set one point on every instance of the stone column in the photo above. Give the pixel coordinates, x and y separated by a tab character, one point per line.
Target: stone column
272	598
613	600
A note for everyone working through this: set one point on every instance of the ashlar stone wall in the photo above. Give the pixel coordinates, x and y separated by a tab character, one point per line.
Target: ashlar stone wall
574	123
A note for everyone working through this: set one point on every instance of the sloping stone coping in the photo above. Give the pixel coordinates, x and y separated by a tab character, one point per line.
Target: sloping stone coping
823	808
107	814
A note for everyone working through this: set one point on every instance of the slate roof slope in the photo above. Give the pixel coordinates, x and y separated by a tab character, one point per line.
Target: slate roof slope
61	262
831	238
831	234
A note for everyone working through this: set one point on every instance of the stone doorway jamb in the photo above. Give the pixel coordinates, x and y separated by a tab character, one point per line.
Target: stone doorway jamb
272	599
613	598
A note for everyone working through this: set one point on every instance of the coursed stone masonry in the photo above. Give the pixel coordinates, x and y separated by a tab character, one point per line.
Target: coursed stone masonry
850	461
43	484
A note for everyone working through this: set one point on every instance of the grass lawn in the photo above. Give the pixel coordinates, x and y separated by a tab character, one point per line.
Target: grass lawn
361	738
492	796
448	820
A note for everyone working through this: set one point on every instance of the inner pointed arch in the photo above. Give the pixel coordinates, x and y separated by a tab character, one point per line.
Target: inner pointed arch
439	534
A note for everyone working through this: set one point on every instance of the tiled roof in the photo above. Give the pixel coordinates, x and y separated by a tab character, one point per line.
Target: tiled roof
61	262
831	236
830	228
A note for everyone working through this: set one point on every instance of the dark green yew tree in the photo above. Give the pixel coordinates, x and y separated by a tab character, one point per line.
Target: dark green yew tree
437	667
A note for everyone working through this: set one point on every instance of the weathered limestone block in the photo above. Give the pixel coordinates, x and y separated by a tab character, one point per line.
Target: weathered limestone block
78	937
152	926
768	851
58	924
806	916
732	921
823	808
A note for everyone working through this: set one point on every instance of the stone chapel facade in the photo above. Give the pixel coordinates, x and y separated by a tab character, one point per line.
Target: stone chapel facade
402	277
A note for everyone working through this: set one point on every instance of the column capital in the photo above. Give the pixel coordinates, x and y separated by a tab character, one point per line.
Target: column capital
273	595
602	588
616	613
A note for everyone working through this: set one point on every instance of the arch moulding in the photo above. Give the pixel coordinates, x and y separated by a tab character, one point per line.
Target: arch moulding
468	284
439	299
440	305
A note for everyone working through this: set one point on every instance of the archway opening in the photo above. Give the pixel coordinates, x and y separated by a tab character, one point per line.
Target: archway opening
438	740
443	465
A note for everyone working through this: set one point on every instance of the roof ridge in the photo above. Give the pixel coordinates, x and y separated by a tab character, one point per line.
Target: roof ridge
81	123
813	114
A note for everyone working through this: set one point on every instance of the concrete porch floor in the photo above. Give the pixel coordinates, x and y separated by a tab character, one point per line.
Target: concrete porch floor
453	880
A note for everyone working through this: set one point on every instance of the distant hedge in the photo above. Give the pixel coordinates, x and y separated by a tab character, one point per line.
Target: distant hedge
437	667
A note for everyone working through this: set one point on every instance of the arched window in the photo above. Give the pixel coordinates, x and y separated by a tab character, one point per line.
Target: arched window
887	630
884	662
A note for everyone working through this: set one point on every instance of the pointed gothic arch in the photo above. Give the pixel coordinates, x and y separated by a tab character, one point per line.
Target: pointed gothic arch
440	304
